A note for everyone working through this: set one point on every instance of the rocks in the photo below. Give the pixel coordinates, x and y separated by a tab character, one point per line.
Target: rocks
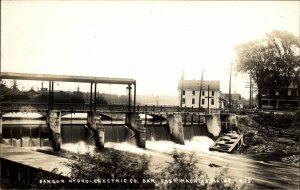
261	148
267	134
294	159
285	141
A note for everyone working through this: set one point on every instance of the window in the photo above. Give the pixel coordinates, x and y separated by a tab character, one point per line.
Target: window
193	101
203	93
193	92
212	102
203	101
183	100
212	93
282	92
293	92
183	92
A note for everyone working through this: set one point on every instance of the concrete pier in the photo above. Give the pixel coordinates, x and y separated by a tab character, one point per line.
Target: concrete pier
94	124
213	123
134	123
54	122
176	129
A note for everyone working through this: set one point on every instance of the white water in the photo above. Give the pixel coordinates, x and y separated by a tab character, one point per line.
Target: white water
22	115
247	172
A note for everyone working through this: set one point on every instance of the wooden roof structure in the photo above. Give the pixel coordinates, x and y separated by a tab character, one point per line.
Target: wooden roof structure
66	78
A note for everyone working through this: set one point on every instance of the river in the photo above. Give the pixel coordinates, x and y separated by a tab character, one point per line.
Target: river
249	171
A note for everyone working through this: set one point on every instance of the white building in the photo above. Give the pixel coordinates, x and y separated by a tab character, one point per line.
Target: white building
189	92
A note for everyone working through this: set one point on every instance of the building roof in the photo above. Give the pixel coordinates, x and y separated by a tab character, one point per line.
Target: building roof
234	96
32	91
195	85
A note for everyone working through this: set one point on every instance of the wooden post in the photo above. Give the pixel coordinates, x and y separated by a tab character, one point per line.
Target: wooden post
52	95
129	97
95	97
49	96
91	97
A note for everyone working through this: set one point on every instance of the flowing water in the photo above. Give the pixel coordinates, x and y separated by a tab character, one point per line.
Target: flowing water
247	171
250	172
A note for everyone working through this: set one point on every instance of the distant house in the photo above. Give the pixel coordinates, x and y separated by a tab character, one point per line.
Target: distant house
189	93
236	100
44	90
277	98
32	93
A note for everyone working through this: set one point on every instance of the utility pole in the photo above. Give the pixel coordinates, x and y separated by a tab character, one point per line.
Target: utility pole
200	92
251	100
208	98
252	88
181	90
230	86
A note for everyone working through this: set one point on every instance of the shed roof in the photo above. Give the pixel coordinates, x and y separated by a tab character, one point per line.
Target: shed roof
234	96
195	85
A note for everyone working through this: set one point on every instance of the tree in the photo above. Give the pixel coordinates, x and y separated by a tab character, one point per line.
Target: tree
286	56
273	62
254	57
15	85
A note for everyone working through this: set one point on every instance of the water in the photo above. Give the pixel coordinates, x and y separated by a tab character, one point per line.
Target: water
73	130
249	171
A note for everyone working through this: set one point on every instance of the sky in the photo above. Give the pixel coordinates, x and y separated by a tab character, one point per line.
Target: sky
153	42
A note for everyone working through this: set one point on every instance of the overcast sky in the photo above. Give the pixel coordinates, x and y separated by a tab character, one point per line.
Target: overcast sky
151	42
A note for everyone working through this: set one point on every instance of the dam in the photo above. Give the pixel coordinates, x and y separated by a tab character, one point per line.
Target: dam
56	123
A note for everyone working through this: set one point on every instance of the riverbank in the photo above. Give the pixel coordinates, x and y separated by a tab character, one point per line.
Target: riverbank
255	171
271	137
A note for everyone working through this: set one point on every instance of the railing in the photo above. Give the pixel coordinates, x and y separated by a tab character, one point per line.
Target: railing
78	107
71	107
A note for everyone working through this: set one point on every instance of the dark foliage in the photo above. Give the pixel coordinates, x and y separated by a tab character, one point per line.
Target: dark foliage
283	121
184	166
111	165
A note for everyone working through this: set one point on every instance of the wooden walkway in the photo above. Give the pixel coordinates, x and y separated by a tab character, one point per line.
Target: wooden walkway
34	159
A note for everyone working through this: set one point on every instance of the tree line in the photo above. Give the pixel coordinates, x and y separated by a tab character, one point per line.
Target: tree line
273	62
14	94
